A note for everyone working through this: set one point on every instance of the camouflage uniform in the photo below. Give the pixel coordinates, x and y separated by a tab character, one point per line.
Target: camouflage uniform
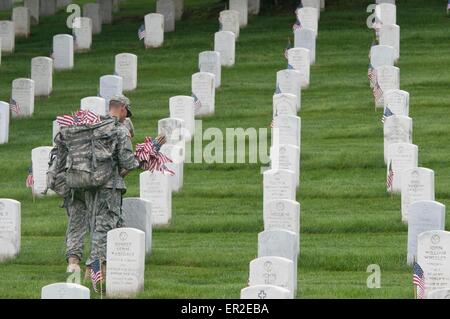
101	210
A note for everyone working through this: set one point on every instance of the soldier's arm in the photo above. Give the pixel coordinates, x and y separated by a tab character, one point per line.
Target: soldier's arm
126	158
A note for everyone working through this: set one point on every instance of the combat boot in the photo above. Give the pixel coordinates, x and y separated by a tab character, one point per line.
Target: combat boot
74	264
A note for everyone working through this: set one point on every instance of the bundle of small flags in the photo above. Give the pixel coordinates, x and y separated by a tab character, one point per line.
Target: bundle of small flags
15	107
197	102
96	274
419	280
29	181
141	32
387	112
82	117
390	177
150	158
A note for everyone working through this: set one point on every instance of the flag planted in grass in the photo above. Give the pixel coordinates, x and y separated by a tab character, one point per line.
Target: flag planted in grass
419	280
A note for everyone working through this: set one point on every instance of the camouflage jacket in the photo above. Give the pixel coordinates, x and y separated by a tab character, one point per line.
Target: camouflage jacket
124	157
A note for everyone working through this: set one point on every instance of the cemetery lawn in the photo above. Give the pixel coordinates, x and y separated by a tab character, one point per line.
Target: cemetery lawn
347	220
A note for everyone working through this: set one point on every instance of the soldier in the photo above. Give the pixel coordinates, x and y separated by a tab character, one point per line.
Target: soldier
101	208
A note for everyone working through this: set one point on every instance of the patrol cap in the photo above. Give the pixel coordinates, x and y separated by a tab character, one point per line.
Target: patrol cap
122	99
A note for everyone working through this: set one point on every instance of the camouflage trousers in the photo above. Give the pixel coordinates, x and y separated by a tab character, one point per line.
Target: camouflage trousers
95	212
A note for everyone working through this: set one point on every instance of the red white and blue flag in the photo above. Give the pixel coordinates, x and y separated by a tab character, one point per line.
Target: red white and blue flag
29	181
390	177
82	117
197	102
372	75
297	25
96	274
377	92
150	158
15	107
387	112
141	32
419	280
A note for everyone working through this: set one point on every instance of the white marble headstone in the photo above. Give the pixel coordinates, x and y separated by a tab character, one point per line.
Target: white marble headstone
285	104
309	18
21	19
155	187
167	9
433	255
298	59
439	294
4	122
386	13
397	129
176	154
63	52
286	156
254	6
125	259
65	290
209	61
40	157
137	213
265	292
225	44
33	6
179	9
182	107
82	33
286	130
10	227
154	30
42	75
290	81
110	85
388	78
417	184
401	156
390	35
23	95
272	270
203	86
423	215
96	104
106	11
92	11
382	55
278	184
7	35
240	6
229	20
306	38
126	67
397	101
282	214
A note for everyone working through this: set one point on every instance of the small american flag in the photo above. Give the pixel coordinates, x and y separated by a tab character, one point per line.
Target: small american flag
197	102
286	50
390	177
29	181
387	112
377	92
297	25
15	107
290	67
371	74
141	32
419	280
96	274
75	42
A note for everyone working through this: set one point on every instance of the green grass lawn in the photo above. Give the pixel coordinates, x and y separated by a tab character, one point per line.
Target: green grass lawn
347	219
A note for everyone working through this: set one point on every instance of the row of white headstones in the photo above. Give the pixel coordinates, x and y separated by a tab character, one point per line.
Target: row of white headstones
273	274
153	208
428	244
